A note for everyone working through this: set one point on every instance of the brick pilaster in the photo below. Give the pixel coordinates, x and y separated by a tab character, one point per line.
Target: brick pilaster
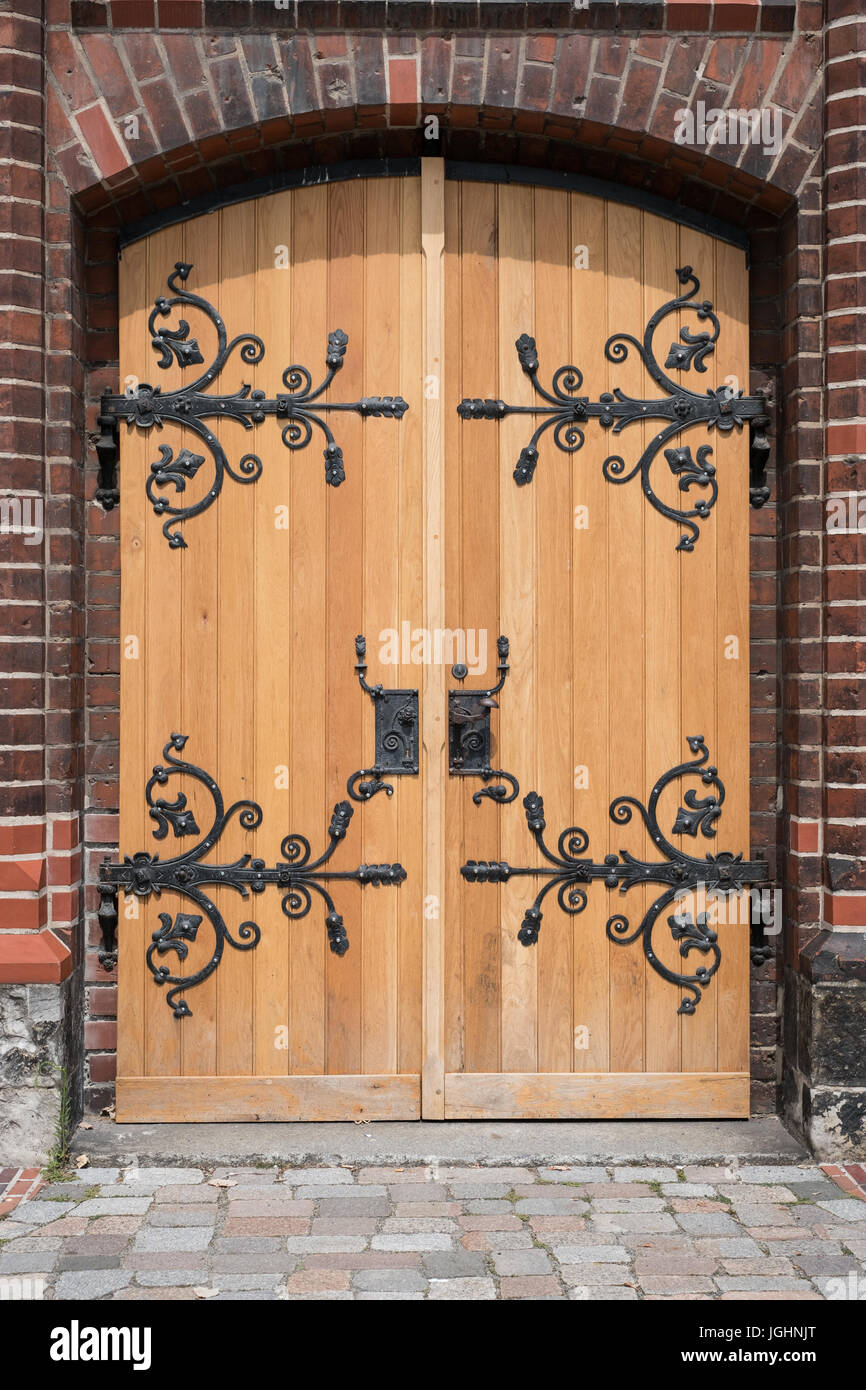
830	999
39	855
845	576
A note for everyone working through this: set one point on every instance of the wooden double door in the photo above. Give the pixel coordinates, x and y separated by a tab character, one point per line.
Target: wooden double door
250	565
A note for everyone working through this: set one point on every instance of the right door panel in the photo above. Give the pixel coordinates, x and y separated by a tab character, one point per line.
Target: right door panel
622	647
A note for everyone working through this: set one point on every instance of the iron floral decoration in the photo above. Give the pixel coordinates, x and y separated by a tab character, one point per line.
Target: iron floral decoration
567	413
298	874
299	408
678	874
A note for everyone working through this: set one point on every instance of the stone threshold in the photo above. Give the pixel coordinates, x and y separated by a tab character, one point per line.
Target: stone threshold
762	1139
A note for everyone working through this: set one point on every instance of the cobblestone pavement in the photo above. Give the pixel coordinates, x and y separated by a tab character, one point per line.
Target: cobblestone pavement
442	1233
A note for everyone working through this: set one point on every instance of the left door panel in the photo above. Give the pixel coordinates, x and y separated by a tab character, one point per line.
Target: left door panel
242	639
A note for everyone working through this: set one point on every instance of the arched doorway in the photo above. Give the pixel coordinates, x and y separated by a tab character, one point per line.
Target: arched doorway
524	938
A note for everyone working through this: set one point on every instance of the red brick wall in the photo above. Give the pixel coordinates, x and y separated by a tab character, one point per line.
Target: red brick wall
219	101
844	595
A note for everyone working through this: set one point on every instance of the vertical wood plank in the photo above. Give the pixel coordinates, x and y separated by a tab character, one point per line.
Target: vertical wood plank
626	760
382	610
518	539
410	900
164	668
457	983
200	566
272	610
555	658
135	756
312	788
347	717
700	576
238	715
665	746
731	454
474	603
433	697
591	649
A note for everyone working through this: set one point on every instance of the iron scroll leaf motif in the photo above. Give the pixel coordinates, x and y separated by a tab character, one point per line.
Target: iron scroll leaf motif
469	733
187	874
299	407
678	874
567	413
397	734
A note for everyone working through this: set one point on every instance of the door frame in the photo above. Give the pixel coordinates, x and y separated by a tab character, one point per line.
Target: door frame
434	171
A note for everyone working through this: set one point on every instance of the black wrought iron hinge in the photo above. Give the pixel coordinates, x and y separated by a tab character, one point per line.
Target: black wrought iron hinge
679	874
298	408
568	413
297	874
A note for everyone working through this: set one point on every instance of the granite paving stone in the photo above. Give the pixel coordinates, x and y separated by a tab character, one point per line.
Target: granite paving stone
114	1206
354	1206
549	1206
164	1259
431	1194
340	1232
318	1177
470	1290
630	1174
522	1262
174	1215
39	1263
156	1278
172	1238
31	1245
648	1221
616	1293
40	1213
245	1245
603	1254
392	1175
455	1264
493	1189
204	1195
530	1286
408	1225
350	1193
848	1209
496	1240
782	1174
389	1281
322	1245
607	1275
88	1262
429	1240
564	1173
93	1283
708	1224
253	1177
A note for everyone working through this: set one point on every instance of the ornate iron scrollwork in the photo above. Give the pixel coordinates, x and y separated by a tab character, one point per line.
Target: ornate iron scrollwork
469	733
678	874
567	413
188	875
299	407
396	734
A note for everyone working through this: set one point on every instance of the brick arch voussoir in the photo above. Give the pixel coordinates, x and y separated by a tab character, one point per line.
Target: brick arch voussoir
227	157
